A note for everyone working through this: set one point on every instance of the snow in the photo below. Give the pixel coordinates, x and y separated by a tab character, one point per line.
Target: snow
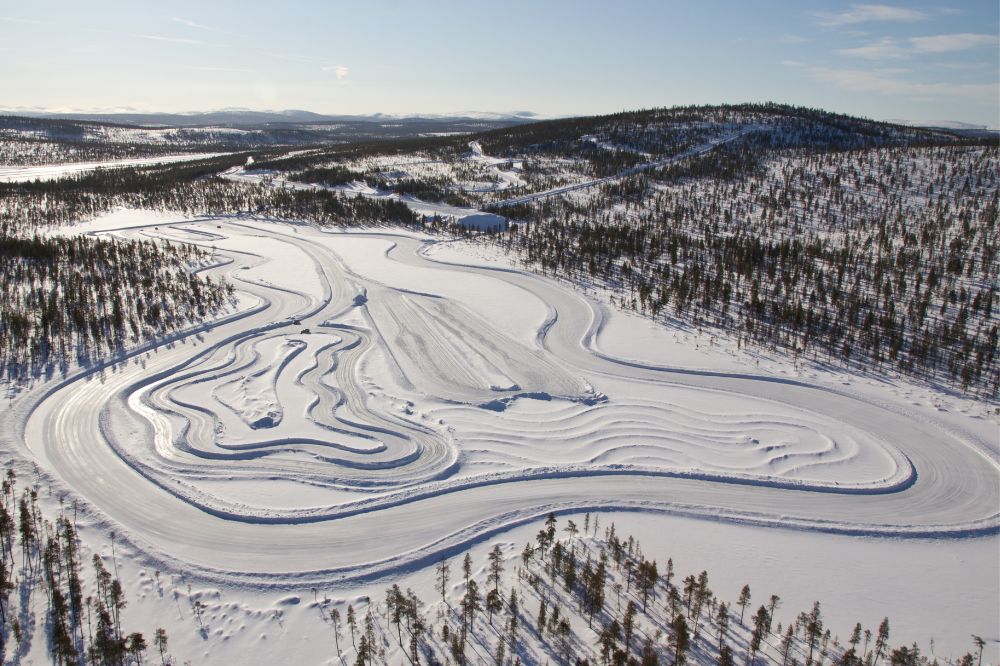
647	166
55	171
442	400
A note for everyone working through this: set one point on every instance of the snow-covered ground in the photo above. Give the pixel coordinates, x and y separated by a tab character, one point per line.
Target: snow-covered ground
385	399
647	166
21	174
471	217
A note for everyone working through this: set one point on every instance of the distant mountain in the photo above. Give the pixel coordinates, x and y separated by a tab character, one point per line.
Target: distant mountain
943	124
965	129
237	129
239	117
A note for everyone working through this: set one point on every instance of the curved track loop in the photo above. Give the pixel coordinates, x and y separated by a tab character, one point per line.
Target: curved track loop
403	425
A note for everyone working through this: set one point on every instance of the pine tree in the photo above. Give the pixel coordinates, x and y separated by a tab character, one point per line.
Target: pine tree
628	624
744	600
669	575
722	622
136	647
680	639
813	624
369	635
649	656
526	555
467	567
6	587
786	644
855	636
563	635
542	608
417	630
980	645
160	641
647	578
773	604
882	640
495	567
363	652
550	527
442	571
335	622
471	604
607	640
494	604
352	623
514	612
760	620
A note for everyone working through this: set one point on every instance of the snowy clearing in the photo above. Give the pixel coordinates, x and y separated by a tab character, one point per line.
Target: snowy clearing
20	174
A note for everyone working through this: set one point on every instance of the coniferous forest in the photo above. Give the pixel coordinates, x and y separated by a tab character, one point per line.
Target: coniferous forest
84	299
883	257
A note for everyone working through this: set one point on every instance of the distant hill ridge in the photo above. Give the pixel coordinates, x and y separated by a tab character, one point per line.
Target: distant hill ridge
649	131
248	117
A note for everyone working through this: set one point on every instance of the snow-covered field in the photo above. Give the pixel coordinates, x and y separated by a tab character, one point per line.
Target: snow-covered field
24	174
386	399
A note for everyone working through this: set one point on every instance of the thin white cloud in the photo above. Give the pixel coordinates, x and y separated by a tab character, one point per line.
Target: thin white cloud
964	66
206	68
888	48
191	24
788	38
947	43
884	49
340	71
76	109
175	40
194	25
14	19
885	82
869	13
294	58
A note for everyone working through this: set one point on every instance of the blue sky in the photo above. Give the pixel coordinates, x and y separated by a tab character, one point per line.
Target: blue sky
917	61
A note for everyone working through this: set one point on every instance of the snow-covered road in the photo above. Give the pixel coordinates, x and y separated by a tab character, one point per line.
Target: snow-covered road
432	404
646	166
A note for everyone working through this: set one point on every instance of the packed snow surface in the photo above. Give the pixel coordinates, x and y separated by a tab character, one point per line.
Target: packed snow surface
379	404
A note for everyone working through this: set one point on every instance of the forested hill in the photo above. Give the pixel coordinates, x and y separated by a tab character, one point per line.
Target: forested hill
607	145
839	239
633	136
